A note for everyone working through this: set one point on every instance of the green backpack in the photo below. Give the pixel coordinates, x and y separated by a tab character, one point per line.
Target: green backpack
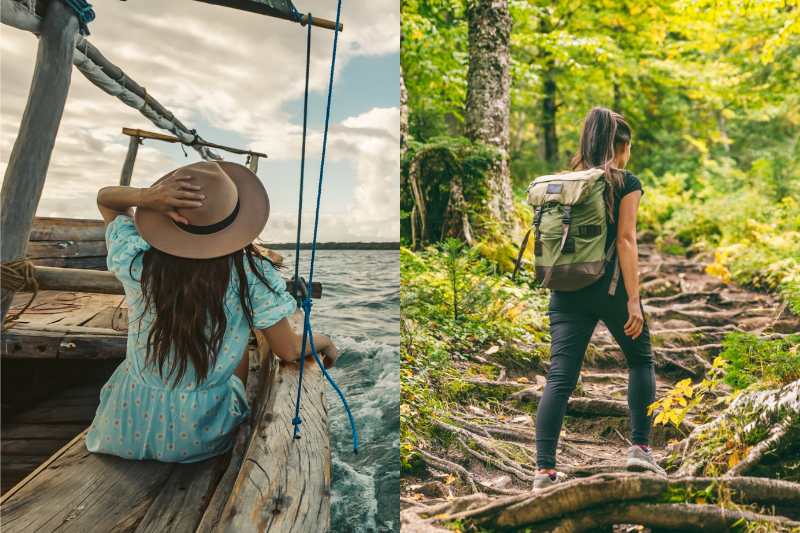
570	227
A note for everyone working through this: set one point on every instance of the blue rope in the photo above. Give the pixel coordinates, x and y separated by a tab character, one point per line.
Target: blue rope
83	10
308	335
296	421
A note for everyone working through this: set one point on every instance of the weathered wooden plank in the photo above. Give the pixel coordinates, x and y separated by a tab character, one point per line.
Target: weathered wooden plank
70	414
67	249
12	447
80	491
39	431
183	498
89	263
263	371
67	229
114	318
30	156
284	483
30	343
130	159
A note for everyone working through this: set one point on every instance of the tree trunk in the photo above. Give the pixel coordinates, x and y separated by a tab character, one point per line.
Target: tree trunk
456	222
549	109
488	96
30	157
403	114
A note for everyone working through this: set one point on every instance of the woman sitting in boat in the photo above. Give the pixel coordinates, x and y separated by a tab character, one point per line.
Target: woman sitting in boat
195	286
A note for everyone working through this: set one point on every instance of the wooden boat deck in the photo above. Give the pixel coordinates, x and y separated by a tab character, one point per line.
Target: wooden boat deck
268	482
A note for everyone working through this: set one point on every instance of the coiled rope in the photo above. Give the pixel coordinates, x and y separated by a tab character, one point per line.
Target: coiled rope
308	335
15	276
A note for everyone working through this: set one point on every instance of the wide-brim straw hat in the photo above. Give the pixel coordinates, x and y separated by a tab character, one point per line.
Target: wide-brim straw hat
232	216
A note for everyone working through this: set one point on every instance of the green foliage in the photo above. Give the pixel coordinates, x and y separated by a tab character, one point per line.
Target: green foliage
686	397
766	362
709	88
435	340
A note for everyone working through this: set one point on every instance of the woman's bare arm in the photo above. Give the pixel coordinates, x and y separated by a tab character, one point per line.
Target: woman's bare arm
286	344
629	261
167	196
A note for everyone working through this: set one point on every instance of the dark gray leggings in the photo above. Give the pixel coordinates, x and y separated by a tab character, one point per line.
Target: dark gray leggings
573	317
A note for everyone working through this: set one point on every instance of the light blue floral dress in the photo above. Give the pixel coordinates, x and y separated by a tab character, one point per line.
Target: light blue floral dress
141	415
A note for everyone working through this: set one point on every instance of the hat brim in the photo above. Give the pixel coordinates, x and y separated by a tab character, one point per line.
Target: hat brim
162	233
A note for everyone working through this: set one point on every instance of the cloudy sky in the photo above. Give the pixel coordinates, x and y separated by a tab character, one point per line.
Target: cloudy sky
238	79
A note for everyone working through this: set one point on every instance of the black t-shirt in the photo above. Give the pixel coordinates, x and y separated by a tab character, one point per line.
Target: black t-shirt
630	184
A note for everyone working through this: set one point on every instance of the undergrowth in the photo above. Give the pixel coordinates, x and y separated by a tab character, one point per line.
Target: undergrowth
457	307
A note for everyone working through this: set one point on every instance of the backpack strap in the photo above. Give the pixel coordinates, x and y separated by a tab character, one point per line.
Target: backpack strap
519	255
537	220
612	251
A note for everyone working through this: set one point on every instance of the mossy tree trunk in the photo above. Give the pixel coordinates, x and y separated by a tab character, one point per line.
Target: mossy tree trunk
488	99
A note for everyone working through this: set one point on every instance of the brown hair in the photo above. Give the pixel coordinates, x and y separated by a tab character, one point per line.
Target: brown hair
187	297
602	133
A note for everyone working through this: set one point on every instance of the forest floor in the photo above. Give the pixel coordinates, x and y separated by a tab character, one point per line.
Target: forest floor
492	452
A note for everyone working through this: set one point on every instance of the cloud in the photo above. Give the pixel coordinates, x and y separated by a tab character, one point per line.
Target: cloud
237	72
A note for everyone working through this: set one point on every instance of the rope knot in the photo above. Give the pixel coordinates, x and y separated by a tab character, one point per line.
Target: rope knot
306	304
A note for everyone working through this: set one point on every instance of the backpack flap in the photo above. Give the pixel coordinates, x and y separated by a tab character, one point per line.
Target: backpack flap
568	188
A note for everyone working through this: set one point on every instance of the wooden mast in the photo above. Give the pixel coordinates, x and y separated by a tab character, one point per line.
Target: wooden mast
30	157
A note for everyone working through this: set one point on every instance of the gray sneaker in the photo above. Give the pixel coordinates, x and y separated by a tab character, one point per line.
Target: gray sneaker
543	481
641	460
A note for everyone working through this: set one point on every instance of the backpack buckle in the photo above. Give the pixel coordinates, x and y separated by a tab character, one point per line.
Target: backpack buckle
566	218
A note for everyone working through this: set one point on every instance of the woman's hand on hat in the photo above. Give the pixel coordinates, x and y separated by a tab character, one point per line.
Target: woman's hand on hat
173	193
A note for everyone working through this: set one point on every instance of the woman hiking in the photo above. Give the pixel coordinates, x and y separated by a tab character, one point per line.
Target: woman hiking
195	286
605	144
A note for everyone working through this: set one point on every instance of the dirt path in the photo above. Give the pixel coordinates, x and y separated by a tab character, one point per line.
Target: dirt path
493	450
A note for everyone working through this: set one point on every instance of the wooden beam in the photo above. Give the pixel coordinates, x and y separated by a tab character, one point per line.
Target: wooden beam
30	157
130	159
32	343
67	229
133	132
77	280
263	9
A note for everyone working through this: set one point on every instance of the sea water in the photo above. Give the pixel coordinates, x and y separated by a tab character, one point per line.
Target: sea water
360	310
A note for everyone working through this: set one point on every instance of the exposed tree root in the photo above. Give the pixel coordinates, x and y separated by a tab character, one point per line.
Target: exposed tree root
578	405
607	499
492	449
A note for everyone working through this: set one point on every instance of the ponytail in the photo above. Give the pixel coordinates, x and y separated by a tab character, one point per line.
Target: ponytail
603	131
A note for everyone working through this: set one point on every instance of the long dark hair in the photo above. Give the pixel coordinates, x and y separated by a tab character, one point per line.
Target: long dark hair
187	297
604	131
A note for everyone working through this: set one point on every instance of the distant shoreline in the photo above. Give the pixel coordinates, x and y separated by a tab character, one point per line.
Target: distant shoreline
336	245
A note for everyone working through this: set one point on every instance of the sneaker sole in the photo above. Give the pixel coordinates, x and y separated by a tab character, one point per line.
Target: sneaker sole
638	465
